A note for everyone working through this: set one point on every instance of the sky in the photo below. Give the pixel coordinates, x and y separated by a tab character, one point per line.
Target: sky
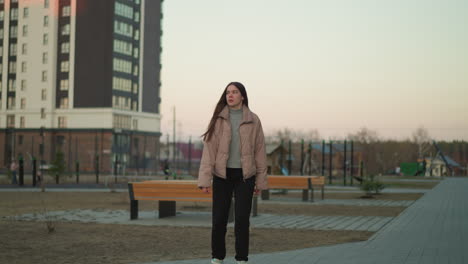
333	66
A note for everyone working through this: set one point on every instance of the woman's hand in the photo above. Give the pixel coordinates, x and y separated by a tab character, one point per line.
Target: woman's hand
256	191
205	189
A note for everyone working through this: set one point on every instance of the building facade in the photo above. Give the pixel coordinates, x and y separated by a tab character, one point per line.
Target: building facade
81	77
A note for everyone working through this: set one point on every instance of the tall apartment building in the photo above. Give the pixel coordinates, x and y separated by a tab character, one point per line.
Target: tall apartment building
81	77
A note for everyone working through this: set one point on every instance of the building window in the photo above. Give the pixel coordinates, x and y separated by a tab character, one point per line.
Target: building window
14	14
24	49
20	137
135	70
121	84
2	15
136	52
135	125
10	121
62	122
11	102
134	106
23	85
45	39
123	10
43	115
46	3
45	58
25	12
44	76
64	66
13	32
122	65
24	66
63	102
12	68
137	34
65	47
123	28
122	121
135	88
66	11
137	17
65	30
25	30
123	47
63	85
22	125
43	94
1	33
23	103
13	49
11	85
46	21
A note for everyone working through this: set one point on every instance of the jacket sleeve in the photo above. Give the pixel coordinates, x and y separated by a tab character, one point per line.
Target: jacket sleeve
206	165
205	174
260	159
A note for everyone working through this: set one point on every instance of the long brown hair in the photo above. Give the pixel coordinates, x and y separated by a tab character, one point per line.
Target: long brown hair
220	106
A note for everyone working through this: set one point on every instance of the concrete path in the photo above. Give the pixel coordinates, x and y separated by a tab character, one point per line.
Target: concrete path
352	202
434	229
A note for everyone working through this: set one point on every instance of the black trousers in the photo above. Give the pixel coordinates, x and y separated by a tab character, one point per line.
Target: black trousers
222	196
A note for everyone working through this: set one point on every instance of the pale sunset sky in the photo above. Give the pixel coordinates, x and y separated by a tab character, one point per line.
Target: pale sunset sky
330	65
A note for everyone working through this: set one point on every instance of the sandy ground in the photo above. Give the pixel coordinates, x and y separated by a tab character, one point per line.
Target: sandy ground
30	242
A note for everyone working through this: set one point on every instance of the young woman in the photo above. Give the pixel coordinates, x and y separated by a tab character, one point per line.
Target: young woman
234	162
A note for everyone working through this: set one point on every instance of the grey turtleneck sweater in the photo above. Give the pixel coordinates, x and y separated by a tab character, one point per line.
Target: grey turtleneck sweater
235	116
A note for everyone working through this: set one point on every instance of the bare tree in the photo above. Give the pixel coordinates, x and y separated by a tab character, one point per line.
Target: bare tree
421	138
287	134
364	135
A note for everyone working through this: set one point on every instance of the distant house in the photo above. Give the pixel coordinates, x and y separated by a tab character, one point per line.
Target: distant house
436	167
276	157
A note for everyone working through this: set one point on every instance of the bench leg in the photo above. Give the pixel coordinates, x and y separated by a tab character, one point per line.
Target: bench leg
266	195
133	209
167	208
305	195
312	194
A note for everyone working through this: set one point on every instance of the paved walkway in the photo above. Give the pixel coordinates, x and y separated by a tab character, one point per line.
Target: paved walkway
353	202
434	229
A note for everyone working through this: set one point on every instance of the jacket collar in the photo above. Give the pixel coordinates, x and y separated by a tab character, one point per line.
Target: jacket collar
247	115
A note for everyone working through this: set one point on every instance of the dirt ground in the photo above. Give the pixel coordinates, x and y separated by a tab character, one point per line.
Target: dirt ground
29	242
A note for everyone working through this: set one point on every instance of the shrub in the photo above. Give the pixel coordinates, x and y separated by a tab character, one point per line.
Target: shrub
367	186
372	186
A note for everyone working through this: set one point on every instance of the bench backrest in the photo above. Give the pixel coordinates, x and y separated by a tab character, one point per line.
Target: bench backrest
168	191
288	182
318	180
294	182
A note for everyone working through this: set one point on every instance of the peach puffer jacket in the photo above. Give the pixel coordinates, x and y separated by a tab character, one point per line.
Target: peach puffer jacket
252	148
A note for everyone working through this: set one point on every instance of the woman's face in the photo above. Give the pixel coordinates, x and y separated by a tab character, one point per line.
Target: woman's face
234	97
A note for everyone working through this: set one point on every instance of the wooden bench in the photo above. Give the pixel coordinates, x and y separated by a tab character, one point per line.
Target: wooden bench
167	192
318	181
304	183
